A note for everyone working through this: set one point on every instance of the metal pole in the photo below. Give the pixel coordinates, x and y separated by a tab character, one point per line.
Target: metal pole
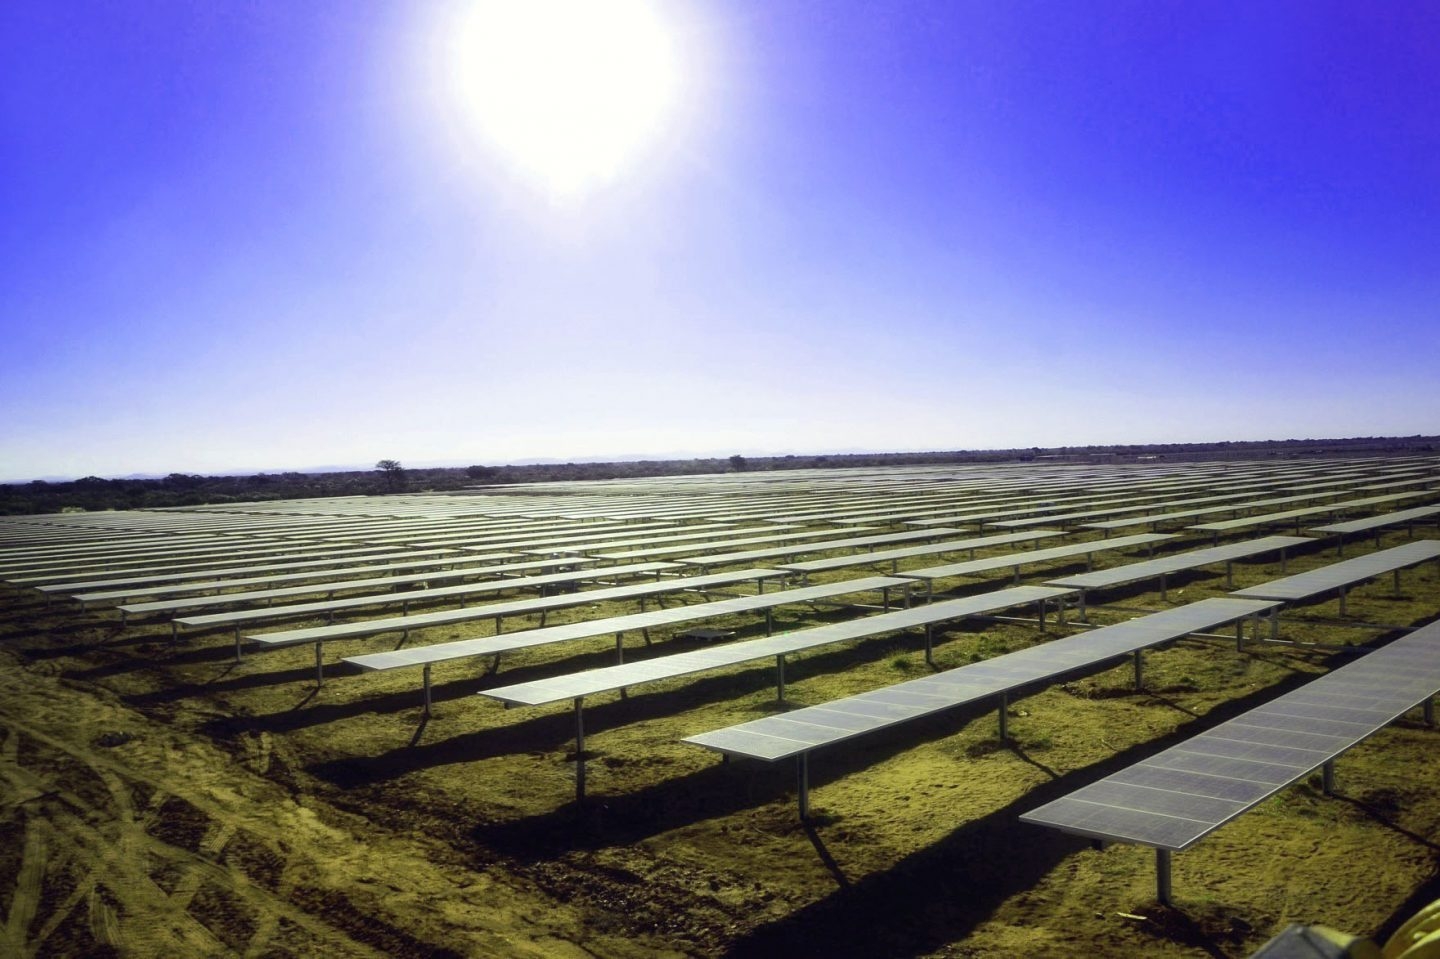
929	658
1342	600
579	749
426	673
1139	667
780	678
802	772
1430	711
1004	717
1327	777
1162	876
319	667
1162	586
237	642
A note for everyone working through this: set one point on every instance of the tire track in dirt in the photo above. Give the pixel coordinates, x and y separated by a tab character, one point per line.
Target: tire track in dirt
126	907
160	843
26	898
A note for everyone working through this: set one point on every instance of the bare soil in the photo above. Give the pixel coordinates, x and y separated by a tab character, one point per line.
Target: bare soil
163	800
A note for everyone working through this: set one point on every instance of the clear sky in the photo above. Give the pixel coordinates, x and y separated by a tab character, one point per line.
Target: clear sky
274	235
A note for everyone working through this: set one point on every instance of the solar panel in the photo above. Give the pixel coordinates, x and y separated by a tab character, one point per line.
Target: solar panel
491	610
1016	560
1178	562
1344	573
611	678
1178	796
894	555
796	733
490	645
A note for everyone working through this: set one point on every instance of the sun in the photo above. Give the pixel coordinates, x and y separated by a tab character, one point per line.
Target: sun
570	93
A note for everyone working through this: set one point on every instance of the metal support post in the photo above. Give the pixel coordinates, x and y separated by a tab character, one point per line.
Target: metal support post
1229	575
319	664
769	621
1162	876
802	773
1327	777
579	749
1162	587
1342	600
1430	711
1041	604
620	660
1139	671
426	680
237	642
1239	635
780	678
929	646
1275	624
1397	583
1004	717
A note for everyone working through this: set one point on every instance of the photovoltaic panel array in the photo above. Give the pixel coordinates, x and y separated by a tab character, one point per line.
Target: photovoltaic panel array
1344	573
1178	796
777	737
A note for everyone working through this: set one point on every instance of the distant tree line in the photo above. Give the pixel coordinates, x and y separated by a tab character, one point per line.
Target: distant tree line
184	489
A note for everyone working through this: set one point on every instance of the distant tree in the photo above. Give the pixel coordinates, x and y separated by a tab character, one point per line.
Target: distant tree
738	464
394	474
480	472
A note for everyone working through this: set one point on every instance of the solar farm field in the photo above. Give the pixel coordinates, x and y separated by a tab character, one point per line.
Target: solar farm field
499	722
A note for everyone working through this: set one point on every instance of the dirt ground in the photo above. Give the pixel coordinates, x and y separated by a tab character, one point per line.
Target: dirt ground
163	800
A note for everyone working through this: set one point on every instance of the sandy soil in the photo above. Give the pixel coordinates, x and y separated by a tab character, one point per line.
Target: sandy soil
159	800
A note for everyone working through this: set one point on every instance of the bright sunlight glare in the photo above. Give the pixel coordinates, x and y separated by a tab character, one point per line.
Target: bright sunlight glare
570	92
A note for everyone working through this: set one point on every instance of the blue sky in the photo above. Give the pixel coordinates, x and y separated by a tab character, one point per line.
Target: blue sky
240	236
